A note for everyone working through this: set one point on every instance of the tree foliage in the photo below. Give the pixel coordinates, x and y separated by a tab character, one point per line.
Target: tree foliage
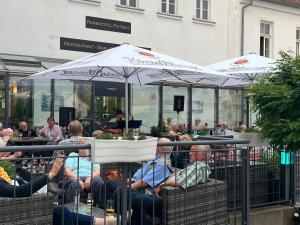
276	98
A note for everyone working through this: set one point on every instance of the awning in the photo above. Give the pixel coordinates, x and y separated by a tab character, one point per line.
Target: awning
26	65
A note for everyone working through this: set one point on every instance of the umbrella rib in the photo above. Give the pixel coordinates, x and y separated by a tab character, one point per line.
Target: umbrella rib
224	82
138	77
169	72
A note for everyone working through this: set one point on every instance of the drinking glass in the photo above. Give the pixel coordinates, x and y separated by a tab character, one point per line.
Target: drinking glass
29	163
42	165
35	164
110	207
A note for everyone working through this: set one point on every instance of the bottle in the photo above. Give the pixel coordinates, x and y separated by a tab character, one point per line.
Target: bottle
77	198
195	133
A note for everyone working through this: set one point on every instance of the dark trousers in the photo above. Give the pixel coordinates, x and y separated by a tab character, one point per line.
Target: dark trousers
71	187
63	216
143	206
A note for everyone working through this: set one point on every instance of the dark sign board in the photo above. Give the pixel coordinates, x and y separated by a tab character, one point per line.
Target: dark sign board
109	89
106	24
84	45
80	45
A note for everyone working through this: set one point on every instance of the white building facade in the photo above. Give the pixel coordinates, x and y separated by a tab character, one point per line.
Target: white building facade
40	34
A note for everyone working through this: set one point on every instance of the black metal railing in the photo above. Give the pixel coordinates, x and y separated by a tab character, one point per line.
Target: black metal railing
238	178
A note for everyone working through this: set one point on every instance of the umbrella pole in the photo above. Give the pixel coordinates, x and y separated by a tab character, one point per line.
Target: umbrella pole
126	105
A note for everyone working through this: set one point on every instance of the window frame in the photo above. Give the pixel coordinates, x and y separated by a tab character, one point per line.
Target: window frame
265	38
167	3
298	41
128	3
201	10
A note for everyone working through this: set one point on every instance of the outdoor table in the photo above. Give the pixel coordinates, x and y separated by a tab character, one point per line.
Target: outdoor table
21	141
28	140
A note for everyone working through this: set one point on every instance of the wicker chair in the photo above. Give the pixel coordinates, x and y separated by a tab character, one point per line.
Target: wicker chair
258	182
34	210
202	204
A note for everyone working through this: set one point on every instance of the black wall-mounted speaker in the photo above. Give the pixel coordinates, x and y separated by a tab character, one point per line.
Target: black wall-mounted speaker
178	103
66	115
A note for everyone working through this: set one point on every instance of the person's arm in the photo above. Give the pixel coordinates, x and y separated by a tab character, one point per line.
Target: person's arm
96	172
69	174
14	156
42	132
27	189
138	184
70	165
24	190
59	135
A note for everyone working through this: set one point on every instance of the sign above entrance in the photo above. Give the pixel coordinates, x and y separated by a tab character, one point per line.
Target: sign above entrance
84	45
108	25
110	89
80	45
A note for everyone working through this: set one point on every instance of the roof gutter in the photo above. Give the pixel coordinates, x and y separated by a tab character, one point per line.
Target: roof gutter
243	25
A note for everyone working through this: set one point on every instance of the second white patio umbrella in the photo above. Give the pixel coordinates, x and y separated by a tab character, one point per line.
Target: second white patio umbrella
244	69
128	64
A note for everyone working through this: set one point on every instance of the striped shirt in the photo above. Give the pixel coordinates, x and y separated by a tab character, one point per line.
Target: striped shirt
192	175
70	141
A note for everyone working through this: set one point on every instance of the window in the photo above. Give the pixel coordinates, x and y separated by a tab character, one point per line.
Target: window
130	3
265	39
168	6
202	9
298	41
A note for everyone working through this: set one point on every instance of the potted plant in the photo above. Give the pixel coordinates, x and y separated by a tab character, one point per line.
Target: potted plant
108	149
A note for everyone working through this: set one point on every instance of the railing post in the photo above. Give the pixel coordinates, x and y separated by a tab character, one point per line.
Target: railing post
245	186
124	194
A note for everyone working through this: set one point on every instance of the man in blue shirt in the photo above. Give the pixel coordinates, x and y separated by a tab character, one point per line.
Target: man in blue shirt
79	177
153	172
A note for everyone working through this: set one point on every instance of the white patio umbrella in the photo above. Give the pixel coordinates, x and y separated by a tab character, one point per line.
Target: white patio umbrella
129	64
244	69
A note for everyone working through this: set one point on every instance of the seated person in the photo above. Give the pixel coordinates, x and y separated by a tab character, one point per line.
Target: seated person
168	125
197	126
75	131
51	131
24	131
78	176
181	130
119	116
149	176
153	172
5	135
195	173
60	213
242	128
180	158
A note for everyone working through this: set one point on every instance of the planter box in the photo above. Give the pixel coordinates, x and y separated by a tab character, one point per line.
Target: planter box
109	151
254	138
